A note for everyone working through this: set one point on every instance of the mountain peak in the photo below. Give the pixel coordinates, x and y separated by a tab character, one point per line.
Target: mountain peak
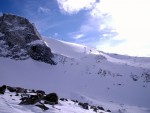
17	35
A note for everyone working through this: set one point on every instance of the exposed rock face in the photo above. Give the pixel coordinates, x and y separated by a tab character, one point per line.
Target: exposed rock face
40	52
2	89
20	40
51	99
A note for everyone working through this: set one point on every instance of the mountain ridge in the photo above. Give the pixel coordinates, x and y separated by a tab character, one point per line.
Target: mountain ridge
17	35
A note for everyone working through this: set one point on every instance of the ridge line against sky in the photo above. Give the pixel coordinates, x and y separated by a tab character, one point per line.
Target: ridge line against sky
115	26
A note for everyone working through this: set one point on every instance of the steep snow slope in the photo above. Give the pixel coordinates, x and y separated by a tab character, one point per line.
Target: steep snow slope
79	51
83	73
71	50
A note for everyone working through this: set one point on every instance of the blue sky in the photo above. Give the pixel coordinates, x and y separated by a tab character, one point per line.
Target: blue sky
115	26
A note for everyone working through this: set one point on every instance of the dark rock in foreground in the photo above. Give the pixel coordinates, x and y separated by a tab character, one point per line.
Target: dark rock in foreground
40	99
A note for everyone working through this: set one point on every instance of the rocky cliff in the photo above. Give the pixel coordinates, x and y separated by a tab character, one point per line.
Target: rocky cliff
20	40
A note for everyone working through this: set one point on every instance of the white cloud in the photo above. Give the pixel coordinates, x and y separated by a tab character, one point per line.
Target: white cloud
74	6
78	36
86	28
131	19
43	10
124	47
101	27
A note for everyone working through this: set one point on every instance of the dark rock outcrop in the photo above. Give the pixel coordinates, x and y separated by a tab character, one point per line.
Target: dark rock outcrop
33	99
20	40
51	99
2	89
84	105
21	90
11	89
100	108
17	89
41	52
63	99
108	110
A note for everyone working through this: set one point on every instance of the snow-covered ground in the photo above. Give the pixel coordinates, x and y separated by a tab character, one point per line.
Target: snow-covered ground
9	103
119	83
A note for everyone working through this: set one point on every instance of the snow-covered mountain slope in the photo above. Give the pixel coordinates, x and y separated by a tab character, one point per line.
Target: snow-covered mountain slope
77	51
68	49
86	74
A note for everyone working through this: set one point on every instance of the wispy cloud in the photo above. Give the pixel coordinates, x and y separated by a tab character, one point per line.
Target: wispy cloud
74	6
93	30
78	36
43	10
